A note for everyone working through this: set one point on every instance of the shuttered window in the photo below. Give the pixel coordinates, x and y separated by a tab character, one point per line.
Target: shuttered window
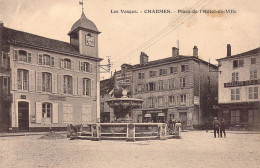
86	87
22	79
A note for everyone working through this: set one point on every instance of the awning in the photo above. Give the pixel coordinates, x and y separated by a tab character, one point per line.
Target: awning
147	115
161	115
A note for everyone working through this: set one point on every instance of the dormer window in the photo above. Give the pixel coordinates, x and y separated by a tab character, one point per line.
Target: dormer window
22	55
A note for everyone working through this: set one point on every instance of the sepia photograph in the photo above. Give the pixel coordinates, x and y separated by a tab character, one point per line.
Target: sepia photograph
129	83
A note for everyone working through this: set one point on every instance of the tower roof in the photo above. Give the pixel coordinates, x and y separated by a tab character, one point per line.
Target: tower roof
83	23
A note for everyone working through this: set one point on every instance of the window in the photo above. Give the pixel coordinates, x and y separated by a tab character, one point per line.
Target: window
67	63
22	55
184	68
238	63
235	94
171	101
171	116
183	100
235	116
22	79
160	102
182	82
235	76
46	110
253	60
85	66
163	72
173	70
140	75
253	74
86	86
44	59
160	86
140	88
152	74
67	86
253	93
6	85
171	83
46	82
253	116
151	102
4	60
151	86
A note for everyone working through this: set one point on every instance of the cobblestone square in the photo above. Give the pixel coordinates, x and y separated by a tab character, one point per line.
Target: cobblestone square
195	149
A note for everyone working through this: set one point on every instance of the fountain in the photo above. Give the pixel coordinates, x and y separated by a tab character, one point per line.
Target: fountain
123	106
123	128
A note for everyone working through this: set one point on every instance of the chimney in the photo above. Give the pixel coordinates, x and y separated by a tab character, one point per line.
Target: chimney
228	50
195	51
175	52
143	58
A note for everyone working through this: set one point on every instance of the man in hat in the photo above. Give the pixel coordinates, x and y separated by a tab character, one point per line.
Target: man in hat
216	125
223	128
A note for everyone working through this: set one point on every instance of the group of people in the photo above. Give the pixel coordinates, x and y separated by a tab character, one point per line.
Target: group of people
219	126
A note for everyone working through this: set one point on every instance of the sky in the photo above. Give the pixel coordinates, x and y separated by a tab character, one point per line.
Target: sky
124	36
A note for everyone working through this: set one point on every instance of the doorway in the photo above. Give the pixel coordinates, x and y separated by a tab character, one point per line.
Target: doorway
23	116
183	118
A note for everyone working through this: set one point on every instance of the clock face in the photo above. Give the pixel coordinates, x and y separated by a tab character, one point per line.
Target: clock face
90	41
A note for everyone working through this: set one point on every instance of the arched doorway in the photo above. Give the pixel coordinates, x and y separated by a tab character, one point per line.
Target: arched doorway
23	116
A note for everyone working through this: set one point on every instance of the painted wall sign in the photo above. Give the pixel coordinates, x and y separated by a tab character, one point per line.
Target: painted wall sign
242	83
54	97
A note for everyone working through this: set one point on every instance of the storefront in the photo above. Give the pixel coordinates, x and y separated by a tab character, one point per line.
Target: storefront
241	115
155	116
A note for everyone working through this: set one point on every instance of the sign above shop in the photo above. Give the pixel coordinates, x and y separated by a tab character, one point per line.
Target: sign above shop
242	83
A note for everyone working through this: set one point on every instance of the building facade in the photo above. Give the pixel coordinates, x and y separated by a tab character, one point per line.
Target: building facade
52	83
239	82
178	87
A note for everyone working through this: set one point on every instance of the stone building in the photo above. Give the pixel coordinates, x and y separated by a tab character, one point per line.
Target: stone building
51	83
178	87
238	88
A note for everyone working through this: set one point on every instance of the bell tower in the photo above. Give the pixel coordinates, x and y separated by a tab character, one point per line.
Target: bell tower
84	36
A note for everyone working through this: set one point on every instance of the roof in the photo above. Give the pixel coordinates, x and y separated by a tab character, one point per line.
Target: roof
106	85
32	40
250	52
83	23
171	59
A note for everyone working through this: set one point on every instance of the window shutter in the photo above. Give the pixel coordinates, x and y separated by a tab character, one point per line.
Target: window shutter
55	113
187	99
80	85
70	113
39	81
38	112
84	112
54	83
15	55
72	64
14	79
52	61
178	100
92	88
65	113
62	63
60	84
29	57
75	85
90	68
166	101
80	66
39	59
31	80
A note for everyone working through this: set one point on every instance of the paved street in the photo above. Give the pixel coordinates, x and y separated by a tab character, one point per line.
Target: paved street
195	149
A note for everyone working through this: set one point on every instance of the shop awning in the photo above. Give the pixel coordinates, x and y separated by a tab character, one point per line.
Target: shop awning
147	115
161	115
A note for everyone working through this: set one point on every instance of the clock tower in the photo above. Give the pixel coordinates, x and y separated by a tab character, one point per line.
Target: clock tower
84	36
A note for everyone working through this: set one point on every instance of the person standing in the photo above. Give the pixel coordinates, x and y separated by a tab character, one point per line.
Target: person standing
223	128
216	125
